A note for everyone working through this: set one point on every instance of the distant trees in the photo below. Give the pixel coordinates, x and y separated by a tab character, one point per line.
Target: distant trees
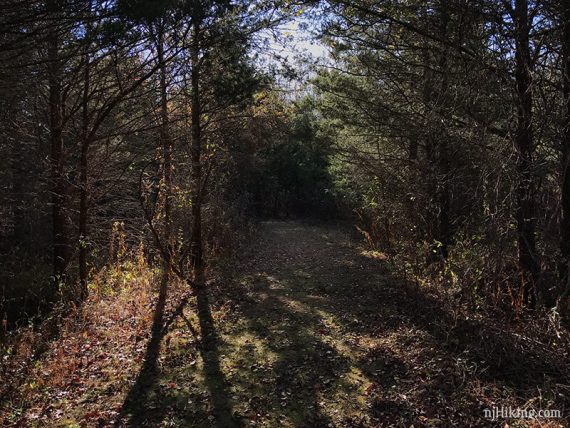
291	177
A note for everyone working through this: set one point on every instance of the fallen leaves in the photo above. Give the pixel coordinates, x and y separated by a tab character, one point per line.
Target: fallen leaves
311	335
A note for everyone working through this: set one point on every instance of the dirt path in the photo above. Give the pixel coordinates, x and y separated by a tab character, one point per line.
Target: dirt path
310	330
317	333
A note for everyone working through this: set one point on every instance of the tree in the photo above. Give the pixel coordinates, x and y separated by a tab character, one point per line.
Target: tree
61	250
565	158
526	215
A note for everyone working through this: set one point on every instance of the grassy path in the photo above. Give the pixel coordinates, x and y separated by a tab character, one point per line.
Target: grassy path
310	331
316	333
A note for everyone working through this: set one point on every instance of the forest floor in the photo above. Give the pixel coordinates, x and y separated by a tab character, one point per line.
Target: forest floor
311	331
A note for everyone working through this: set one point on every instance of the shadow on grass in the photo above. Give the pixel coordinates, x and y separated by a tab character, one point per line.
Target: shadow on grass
287	370
308	268
209	351
320	326
142	406
134	410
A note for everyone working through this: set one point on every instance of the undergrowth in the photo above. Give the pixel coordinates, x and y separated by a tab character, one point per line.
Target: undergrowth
47	376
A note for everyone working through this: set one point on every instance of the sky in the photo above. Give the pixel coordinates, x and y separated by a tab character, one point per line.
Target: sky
294	45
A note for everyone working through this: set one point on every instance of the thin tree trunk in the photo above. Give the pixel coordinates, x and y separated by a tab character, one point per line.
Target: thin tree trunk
58	186
83	173
565	159
437	150
195	153
525	214
444	226
430	180
166	159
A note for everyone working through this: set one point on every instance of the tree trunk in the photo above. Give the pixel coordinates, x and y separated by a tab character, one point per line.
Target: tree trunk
429	174
565	158
444	227
166	159
195	153
525	214
83	174
437	150
58	185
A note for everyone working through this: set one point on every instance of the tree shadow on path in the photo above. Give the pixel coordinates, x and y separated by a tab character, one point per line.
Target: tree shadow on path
209	351
414	354
133	404
140	407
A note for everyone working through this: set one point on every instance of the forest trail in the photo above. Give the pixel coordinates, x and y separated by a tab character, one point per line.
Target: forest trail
142	143
317	333
310	329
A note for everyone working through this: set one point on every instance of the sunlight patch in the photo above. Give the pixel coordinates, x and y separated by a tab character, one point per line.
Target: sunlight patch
373	254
